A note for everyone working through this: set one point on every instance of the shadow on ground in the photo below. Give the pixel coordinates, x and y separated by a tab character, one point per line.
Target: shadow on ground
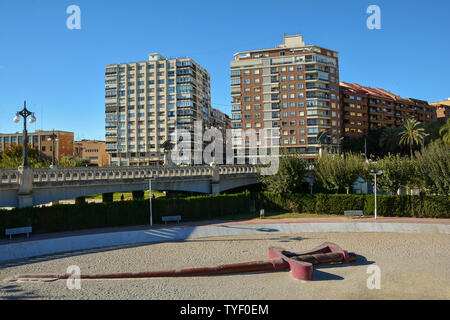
6	291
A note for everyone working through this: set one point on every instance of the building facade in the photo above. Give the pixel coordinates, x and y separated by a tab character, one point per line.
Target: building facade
442	110
92	150
291	90
41	141
148	102
365	108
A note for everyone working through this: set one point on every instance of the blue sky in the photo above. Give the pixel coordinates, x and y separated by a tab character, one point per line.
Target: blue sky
60	72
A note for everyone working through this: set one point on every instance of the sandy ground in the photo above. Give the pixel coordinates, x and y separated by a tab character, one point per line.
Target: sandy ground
413	266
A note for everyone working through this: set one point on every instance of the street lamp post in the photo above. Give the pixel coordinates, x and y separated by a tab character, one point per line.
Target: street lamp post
375	174
25	113
53	137
150	191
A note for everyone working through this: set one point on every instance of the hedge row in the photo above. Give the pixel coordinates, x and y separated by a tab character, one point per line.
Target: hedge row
388	206
58	218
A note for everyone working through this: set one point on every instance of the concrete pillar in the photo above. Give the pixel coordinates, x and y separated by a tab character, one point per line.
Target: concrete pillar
215	188
80	200
108	197
25	192
215	179
24	200
138	195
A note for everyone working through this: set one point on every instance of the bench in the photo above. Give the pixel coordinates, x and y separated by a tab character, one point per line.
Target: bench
171	218
354	213
11	231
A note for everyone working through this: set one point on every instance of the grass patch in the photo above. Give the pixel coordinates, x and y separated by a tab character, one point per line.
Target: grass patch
128	195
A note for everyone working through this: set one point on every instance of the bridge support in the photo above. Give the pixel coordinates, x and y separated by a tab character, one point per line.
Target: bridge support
24	195
215	179
108	197
25	200
80	200
138	195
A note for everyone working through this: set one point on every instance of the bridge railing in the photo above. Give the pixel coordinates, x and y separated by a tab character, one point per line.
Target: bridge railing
74	174
8	176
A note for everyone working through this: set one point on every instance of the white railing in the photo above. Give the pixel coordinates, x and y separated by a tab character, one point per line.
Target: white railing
8	176
77	174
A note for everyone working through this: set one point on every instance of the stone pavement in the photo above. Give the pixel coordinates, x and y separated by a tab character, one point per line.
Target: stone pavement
47	244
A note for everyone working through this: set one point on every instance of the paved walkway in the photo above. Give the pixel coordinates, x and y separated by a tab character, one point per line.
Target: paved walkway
54	235
46	244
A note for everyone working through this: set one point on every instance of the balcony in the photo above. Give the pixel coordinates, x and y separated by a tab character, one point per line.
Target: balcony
313	78
317	96
316	87
314	69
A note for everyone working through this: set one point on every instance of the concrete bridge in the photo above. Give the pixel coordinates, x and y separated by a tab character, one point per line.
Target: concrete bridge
25	187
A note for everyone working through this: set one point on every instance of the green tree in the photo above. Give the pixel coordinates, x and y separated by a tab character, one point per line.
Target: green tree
69	161
444	132
413	134
337	172
11	157
432	168
389	140
397	172
290	177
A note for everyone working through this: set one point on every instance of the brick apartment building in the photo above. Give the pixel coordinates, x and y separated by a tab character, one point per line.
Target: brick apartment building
40	141
442	110
365	108
92	150
293	88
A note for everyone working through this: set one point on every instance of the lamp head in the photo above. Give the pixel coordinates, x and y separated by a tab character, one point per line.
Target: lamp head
33	118
17	118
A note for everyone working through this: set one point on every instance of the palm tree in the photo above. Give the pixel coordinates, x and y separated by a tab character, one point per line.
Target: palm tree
389	139
412	134
444	131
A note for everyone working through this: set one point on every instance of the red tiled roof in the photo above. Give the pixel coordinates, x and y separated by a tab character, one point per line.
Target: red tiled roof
380	93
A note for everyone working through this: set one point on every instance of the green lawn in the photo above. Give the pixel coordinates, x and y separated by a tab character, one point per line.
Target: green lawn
129	195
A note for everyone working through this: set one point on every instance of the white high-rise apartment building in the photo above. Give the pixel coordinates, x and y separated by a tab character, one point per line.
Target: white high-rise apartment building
147	102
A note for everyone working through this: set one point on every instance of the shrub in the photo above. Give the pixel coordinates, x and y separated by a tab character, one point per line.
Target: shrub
59	218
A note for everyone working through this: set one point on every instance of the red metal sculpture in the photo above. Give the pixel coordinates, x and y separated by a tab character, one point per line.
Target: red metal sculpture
300	265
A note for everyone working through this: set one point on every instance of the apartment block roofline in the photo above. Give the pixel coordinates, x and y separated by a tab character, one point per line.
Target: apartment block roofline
39	131
154	53
377	92
290	42
91	140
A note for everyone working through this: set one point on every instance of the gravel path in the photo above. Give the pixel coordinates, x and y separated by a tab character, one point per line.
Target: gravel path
413	266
